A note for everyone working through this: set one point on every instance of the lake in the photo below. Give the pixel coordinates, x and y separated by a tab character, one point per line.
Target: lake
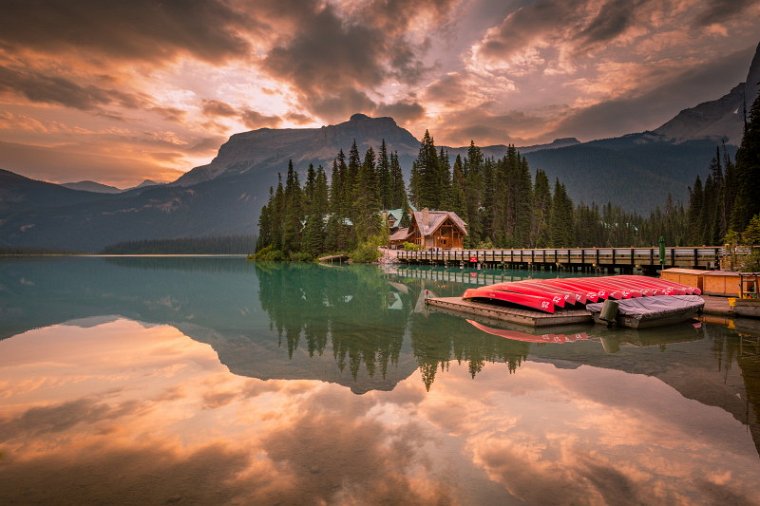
219	381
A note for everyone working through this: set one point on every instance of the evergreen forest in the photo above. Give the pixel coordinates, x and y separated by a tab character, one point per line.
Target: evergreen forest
502	202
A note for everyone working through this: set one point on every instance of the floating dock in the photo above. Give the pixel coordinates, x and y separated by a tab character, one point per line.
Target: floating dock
511	314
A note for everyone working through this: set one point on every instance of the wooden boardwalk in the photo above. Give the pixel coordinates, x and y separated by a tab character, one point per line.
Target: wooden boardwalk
510	314
582	259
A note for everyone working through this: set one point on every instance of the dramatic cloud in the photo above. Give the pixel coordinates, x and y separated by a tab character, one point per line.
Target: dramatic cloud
218	108
718	11
57	90
298	118
402	111
137	30
648	110
484	70
254	120
612	20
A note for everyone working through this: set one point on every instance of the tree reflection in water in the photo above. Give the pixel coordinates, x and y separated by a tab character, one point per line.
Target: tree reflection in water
365	317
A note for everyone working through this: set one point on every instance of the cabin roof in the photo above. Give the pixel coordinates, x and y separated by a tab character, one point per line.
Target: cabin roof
400	235
396	213
435	220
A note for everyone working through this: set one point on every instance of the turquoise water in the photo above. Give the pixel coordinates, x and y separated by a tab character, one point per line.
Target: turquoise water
216	380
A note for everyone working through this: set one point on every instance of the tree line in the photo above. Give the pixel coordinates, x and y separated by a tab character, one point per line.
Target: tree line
235	244
726	207
304	221
501	202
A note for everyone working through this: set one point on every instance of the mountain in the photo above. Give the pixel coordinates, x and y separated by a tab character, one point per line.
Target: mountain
635	171
19	194
225	197
146	183
92	186
270	149
717	119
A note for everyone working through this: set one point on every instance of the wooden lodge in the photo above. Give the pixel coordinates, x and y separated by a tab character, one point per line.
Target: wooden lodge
442	230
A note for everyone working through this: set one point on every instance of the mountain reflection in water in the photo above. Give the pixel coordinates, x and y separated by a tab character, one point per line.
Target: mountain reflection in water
98	376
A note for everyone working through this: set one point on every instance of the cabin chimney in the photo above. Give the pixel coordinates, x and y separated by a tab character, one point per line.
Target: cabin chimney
426	217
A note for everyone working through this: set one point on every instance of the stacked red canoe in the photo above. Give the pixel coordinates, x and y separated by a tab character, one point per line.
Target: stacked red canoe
548	294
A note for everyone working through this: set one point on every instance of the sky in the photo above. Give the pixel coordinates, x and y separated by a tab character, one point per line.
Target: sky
119	92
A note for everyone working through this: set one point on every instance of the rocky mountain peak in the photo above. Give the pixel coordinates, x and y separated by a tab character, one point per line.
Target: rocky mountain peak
752	86
719	119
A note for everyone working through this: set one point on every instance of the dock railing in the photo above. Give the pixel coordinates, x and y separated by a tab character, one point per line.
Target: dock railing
704	257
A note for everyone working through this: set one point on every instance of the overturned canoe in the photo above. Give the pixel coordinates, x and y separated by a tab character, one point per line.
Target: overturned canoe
656	311
501	294
548	295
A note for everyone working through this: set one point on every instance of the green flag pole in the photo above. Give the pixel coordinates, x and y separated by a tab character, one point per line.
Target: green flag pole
662	253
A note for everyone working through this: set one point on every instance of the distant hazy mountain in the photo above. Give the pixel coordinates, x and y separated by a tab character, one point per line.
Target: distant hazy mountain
146	183
717	119
225	197
19	194
636	171
92	186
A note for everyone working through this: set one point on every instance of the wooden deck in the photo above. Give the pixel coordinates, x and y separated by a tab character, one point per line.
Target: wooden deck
510	314
624	259
333	259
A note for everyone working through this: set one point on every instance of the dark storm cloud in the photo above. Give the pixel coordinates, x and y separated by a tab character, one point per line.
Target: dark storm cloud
649	110
333	61
329	63
402	111
717	11
613	19
533	20
254	119
39	87
134	30
218	108
299	118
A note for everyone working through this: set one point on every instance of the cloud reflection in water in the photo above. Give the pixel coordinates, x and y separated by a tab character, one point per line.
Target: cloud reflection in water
118	411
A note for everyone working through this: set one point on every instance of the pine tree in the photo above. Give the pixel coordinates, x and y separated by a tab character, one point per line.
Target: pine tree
486	211
426	175
729	189
747	202
458	188
293	213
561	221
367	201
542	202
473	175
696	212
397	186
316	209
444	181
265	223
384	176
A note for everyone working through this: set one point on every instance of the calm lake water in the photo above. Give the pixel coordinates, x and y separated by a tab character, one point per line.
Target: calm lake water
216	381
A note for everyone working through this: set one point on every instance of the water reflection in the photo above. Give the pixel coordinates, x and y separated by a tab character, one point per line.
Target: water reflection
98	378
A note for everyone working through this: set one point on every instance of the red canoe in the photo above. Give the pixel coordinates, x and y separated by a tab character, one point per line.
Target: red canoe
570	296
557	297
544	304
